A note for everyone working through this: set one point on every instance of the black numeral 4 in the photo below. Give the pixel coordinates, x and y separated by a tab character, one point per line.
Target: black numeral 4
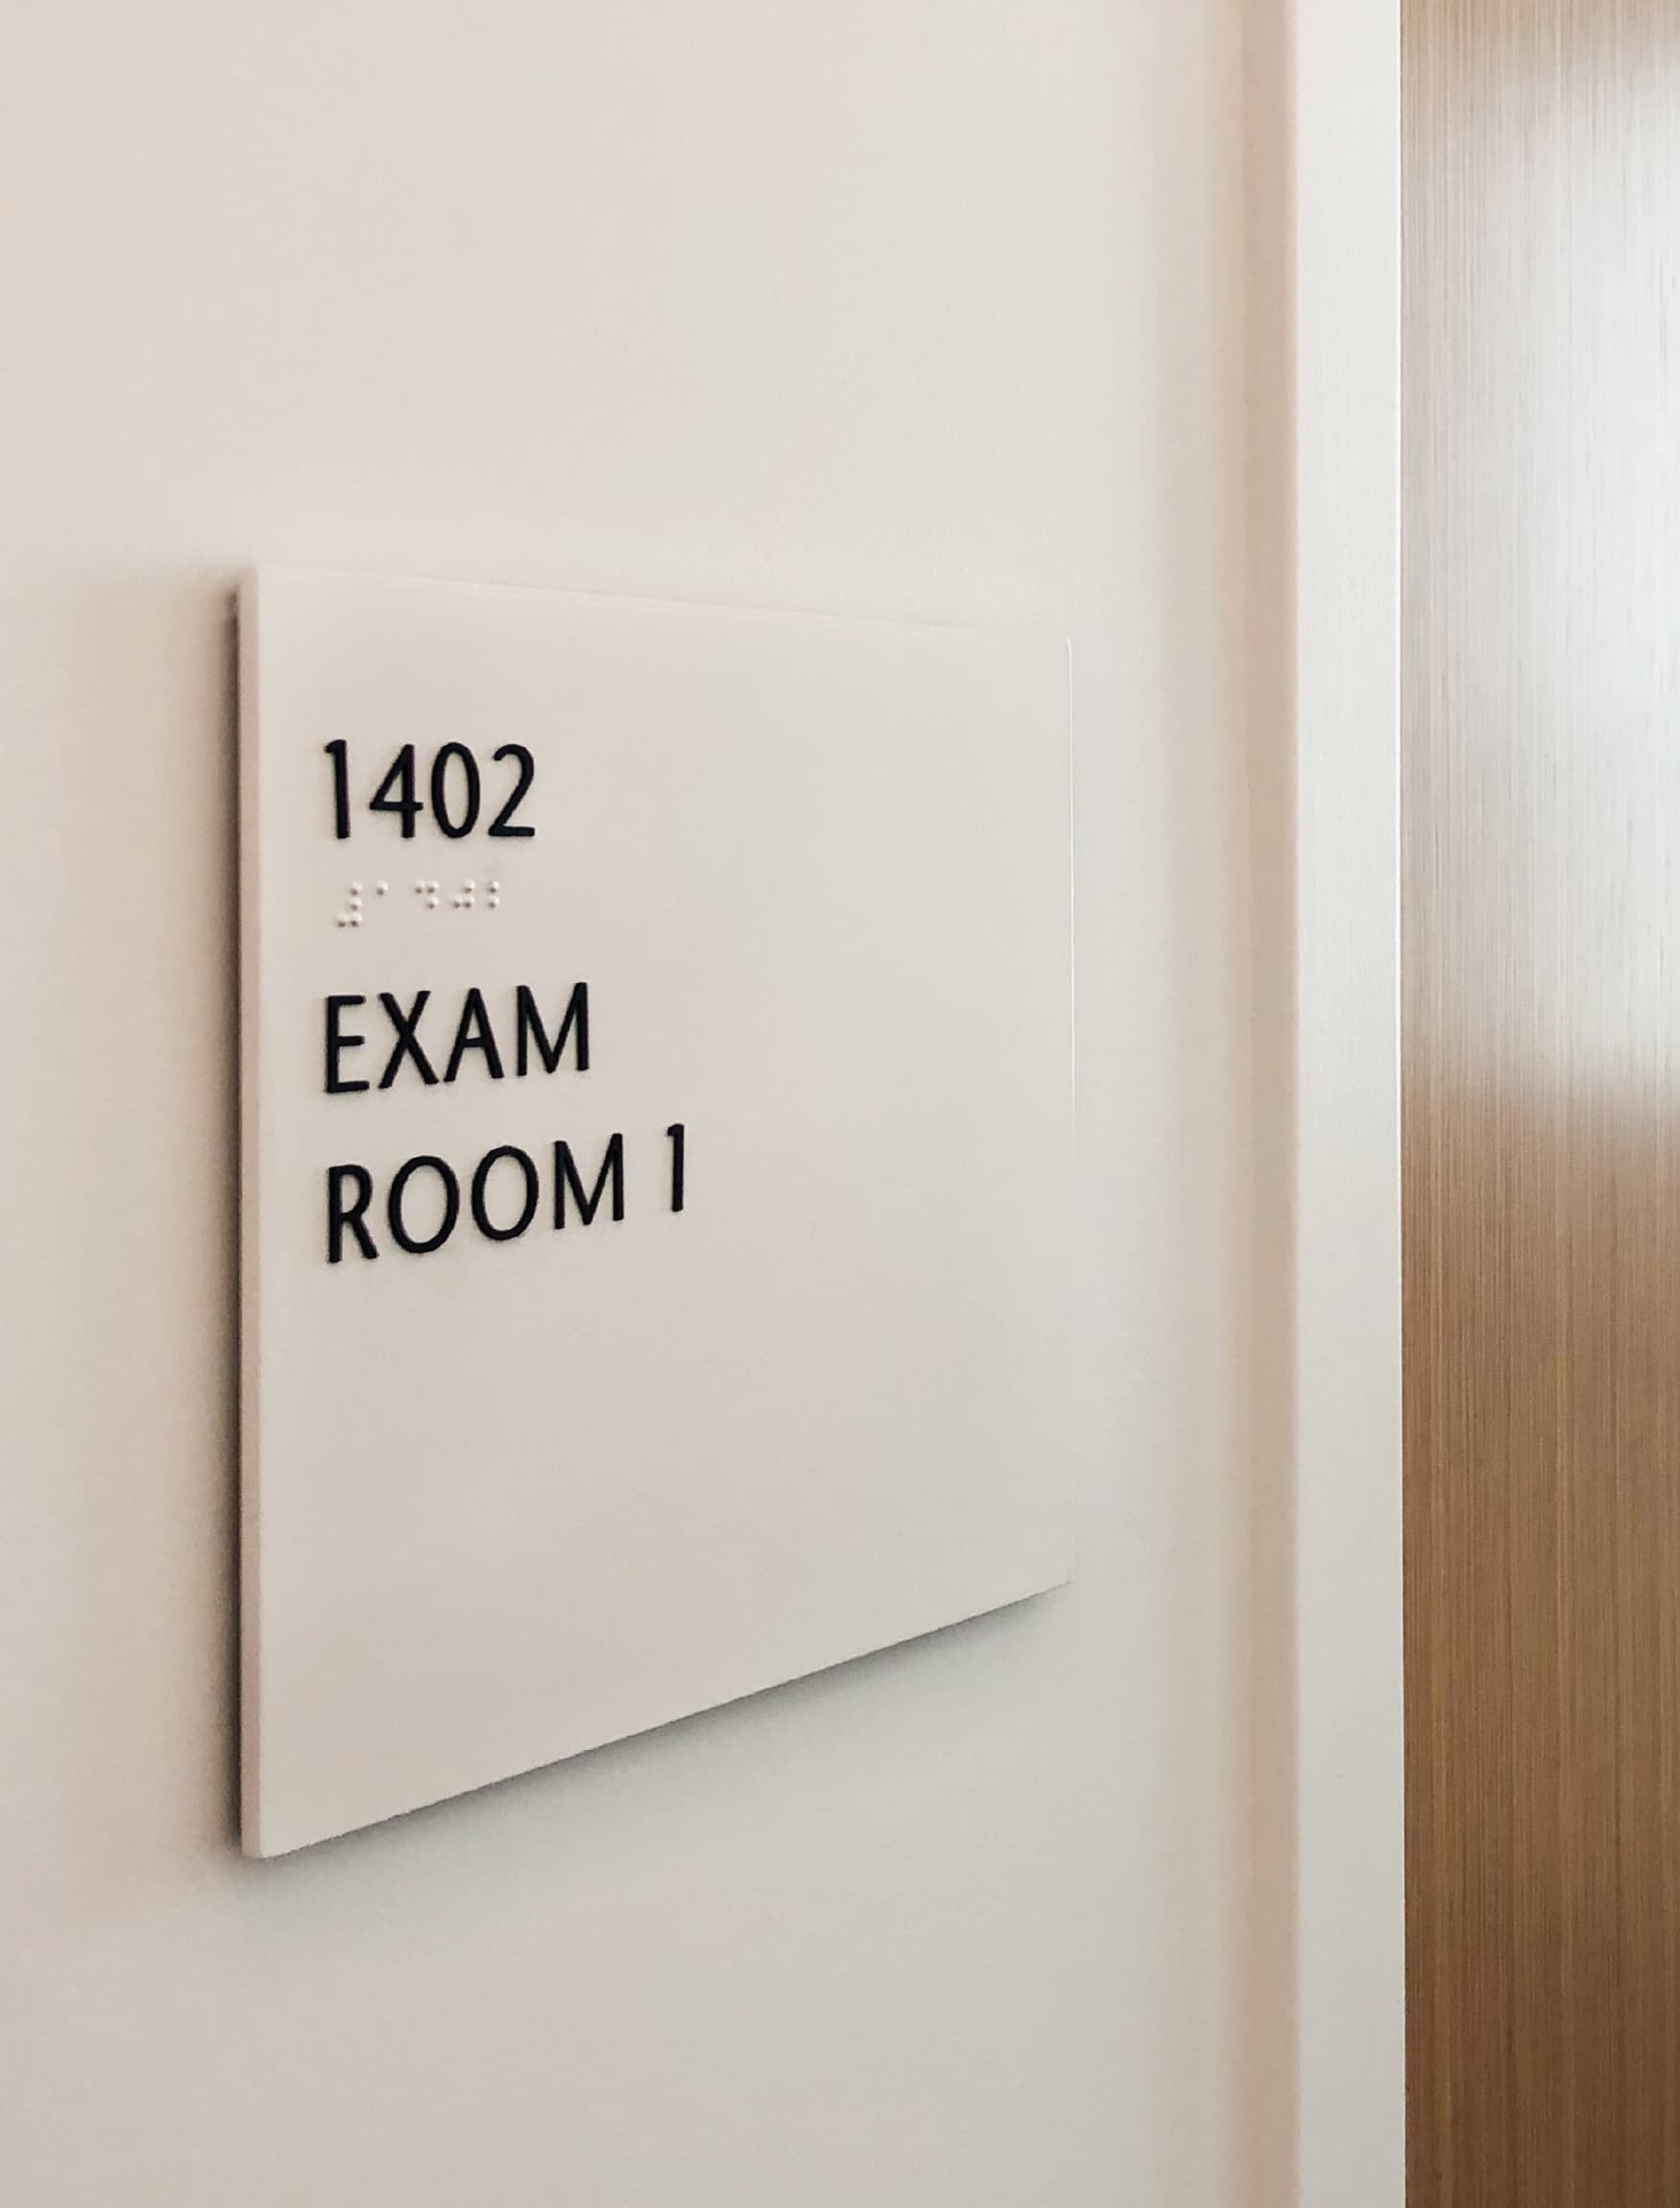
400	779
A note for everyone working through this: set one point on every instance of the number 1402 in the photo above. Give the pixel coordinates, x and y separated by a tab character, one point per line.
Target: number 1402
455	787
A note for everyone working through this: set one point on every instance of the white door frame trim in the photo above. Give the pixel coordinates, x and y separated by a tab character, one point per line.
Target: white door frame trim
1348	1901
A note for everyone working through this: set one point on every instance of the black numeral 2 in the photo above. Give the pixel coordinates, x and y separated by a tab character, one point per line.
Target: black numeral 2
502	825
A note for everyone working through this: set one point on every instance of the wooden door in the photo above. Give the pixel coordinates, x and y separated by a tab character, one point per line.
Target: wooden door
1542	1052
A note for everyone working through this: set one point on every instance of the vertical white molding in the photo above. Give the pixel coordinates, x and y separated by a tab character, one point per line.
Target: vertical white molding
1351	2045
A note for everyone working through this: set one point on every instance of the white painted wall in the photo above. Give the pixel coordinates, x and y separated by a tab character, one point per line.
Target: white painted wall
890	306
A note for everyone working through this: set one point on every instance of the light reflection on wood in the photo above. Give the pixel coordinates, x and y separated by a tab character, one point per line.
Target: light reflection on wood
1542	1046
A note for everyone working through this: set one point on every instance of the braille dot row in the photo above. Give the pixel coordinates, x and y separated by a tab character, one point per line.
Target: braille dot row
463	900
430	894
352	913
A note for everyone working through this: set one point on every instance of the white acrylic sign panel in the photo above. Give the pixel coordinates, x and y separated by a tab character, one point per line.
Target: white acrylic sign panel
657	1069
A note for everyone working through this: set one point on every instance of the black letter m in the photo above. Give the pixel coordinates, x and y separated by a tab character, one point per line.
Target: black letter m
565	1176
531	1030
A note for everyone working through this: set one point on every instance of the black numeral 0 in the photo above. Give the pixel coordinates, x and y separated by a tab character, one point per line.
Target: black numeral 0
441	813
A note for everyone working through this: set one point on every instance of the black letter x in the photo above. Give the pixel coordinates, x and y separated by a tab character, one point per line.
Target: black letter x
407	1043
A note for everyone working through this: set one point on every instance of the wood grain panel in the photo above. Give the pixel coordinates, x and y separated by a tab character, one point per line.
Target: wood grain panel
1541	1149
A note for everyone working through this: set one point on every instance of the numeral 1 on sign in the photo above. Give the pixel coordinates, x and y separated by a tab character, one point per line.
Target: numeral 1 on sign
679	1142
336	753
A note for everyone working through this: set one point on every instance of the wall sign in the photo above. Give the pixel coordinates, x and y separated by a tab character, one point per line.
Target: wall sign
657	1080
